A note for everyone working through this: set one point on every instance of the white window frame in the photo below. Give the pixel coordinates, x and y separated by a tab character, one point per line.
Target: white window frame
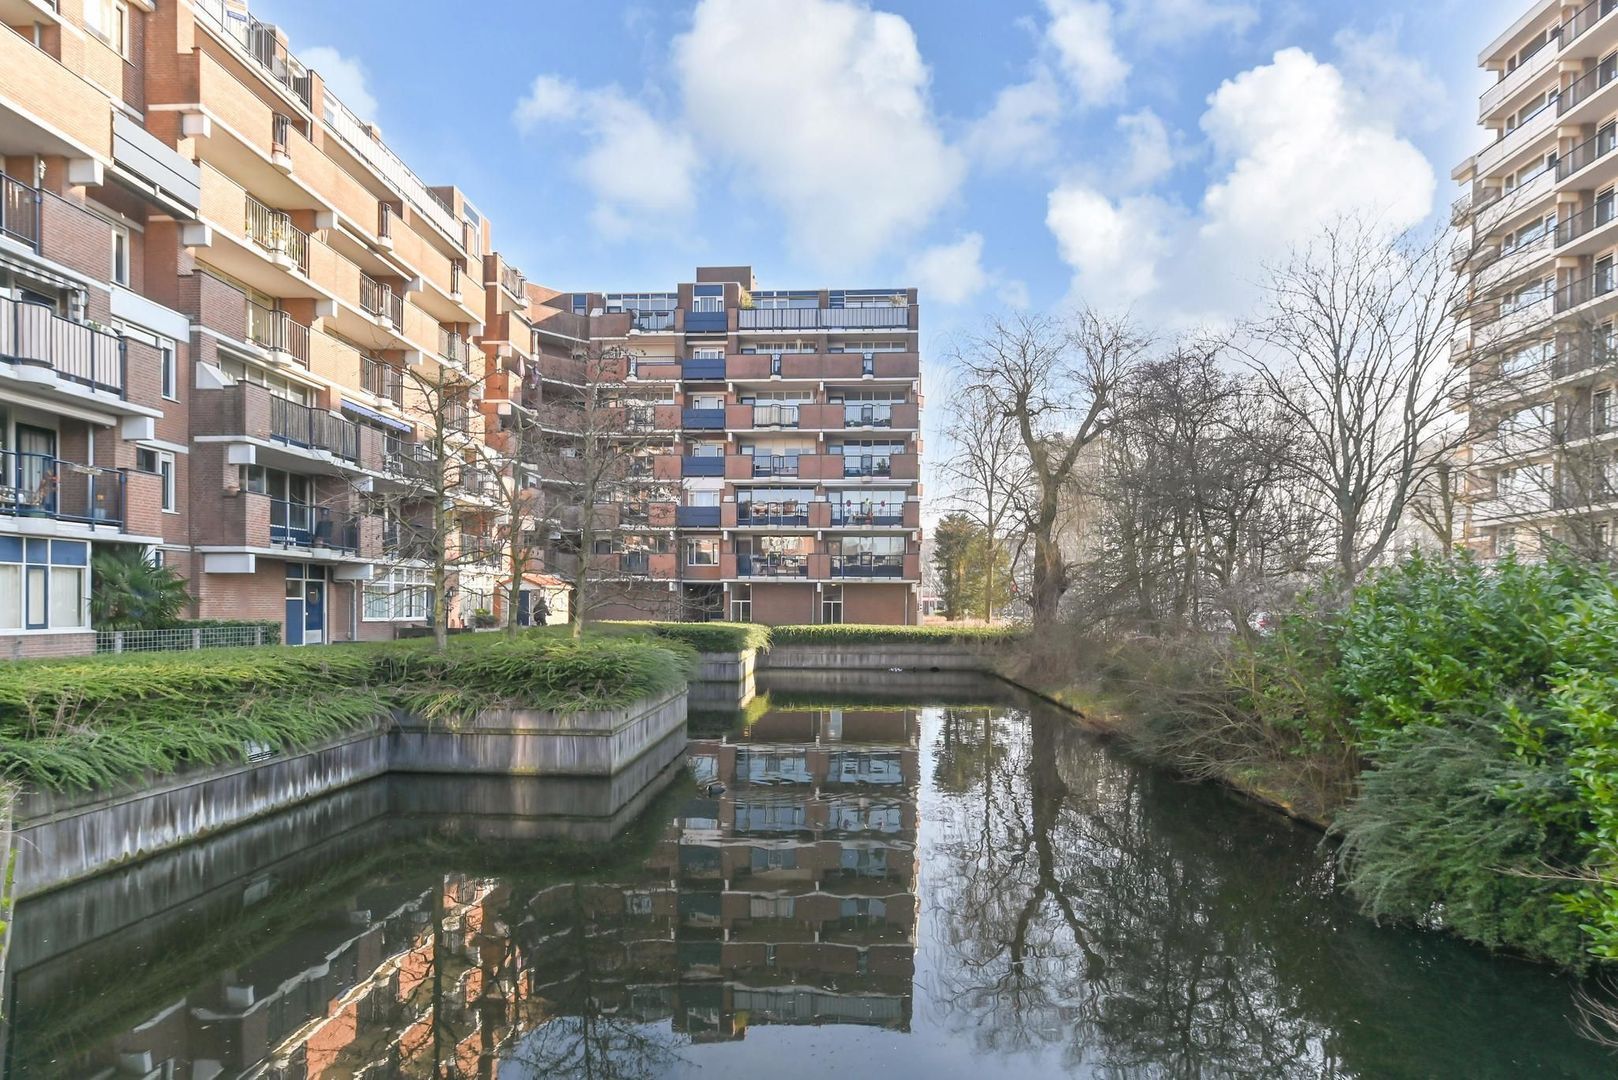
118	267
169	370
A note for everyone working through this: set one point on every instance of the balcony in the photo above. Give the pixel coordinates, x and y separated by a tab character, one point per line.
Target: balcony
274	233
856	318
867	566
771	465
1586	19
703	419
261	44
868	415
41	486
775	416
652	322
867	465
697	517
19	212
772	566
277	332
300	525
1493	157
707	322
705	369
1578	293
702	466
312	429
785	514
382	380
381	302
34	336
453	347
1513	81
1586	153
867	515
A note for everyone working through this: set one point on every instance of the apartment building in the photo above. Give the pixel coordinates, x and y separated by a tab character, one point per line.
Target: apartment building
780	431
1539	240
224	302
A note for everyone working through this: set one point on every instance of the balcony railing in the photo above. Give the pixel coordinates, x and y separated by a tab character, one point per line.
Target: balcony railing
38	485
300	525
479	482
868	566
857	515
258	40
693	465
868	415
772	566
769	465
273	231
1587	152
359	137
406	457
452	346
1585	18
855	318
756	513
382	380
697	517
511	280
34	334
276	330
703	419
1585	221
1585	289
314	429
775	416
280	133
457	415
653	321
380	300
706	368
19	211
867	465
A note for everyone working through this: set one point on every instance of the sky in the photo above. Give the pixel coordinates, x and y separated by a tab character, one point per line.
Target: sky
1148	156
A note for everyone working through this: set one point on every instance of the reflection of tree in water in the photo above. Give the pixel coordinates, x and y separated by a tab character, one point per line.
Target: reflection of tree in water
1072	916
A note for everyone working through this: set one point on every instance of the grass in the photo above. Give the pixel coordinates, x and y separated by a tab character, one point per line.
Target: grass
78	724
708	637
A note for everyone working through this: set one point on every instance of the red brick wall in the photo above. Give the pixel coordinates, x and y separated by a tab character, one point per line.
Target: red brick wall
784	605
38	646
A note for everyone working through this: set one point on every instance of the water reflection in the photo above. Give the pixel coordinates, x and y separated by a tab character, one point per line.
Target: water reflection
837	884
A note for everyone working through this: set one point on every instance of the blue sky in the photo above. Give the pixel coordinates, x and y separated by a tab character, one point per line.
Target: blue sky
1148	154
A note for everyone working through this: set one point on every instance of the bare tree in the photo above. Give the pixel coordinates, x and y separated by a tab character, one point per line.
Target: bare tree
1055	383
1356	347
986	472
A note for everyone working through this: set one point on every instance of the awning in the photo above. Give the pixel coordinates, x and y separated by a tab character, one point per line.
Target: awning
372	414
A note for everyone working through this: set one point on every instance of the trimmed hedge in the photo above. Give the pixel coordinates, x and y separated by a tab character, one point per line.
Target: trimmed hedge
853	634
704	637
94	721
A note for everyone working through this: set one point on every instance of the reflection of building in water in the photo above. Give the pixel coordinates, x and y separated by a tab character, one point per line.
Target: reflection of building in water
796	885
789	898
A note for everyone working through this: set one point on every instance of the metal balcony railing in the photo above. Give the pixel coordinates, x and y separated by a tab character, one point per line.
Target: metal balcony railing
452	346
280	133
868	566
259	41
772	566
360	138
1585	18
379	299
42	486
479	482
868	415
769	465
855	515
788	512
653	321
867	465
775	416
300	525
34	334
1585	289
1587	152
273	231
895	316
19	211
382	380
1585	221
276	330
314	429
406	457
511	280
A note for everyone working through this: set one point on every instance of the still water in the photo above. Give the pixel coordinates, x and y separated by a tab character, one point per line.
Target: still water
924	881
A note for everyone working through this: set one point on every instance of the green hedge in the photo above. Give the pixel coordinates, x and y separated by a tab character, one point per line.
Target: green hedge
725	637
93	721
850	634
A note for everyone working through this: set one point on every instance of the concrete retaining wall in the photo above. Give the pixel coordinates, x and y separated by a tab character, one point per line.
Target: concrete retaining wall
724	680
874	657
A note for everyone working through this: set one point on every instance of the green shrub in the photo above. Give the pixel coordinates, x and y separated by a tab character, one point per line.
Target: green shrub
854	634
133	594
704	637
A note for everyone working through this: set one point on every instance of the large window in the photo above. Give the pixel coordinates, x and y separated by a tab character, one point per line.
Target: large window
402	594
44	584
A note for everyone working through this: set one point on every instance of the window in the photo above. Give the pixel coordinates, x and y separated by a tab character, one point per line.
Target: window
741	603
120	255
831	604
283	388
169	371
44	584
403	594
702	498
707	352
702	552
109	21
1602	414
160	462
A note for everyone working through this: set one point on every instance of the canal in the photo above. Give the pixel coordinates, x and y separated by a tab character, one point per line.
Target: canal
856	878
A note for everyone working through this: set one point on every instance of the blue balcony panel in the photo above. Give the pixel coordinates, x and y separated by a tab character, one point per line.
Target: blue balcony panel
702	466
697	517
706	322
703	369
703	419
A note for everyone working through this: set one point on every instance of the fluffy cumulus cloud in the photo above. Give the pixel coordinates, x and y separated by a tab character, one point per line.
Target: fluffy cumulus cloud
642	172
950	273
1394	84
1081	36
1151	150
1295	147
822	106
344	76
1019	129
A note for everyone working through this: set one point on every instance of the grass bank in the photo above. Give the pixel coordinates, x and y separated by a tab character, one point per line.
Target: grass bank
94	721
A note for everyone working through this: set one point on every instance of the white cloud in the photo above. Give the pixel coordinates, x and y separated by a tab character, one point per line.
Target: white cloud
950	273
1151	151
1019	128
1295	147
1174	21
1081	34
822	105
345	76
1013	293
641	171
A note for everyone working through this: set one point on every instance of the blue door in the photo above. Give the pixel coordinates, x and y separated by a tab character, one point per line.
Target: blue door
295	620
314	612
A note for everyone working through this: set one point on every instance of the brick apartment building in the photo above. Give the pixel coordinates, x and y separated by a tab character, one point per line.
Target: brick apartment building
221	292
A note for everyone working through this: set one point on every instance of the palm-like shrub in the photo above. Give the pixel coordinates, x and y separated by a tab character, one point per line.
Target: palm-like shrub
132	594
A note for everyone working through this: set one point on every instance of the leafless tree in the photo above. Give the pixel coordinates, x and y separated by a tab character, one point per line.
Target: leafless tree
1355	345
986	472
1055	384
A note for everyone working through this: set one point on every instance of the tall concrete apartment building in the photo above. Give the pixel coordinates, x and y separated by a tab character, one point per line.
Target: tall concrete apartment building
1540	224
785	454
221	293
